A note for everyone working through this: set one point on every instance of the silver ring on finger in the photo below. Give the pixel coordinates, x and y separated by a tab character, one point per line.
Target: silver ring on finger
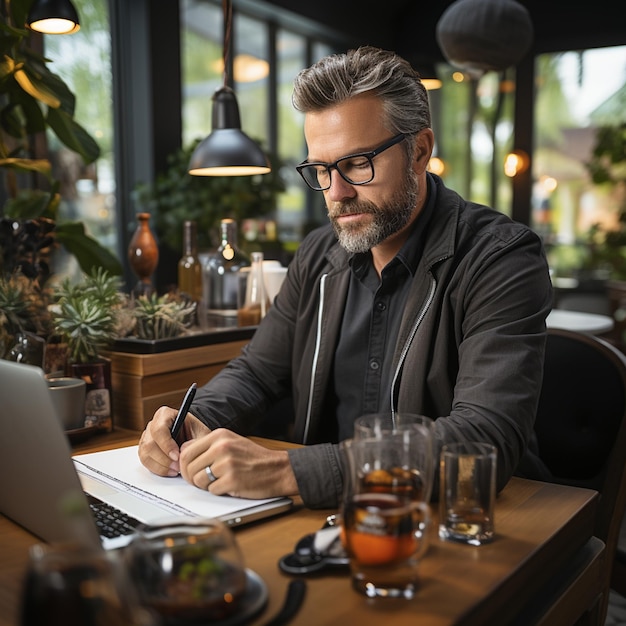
210	474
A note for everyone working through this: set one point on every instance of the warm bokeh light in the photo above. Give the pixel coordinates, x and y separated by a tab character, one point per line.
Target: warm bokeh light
246	68
515	163
431	83
548	183
436	166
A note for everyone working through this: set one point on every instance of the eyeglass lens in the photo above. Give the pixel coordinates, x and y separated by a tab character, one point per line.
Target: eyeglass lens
355	170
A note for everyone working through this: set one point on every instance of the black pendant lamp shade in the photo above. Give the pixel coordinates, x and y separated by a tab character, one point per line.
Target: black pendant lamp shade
484	35
227	151
53	17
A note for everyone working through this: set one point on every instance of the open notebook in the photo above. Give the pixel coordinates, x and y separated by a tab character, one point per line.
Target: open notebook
52	494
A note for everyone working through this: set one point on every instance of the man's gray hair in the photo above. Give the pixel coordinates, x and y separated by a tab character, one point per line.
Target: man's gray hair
336	78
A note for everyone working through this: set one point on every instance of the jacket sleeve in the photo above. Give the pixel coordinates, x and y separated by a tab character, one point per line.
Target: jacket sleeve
495	342
318	472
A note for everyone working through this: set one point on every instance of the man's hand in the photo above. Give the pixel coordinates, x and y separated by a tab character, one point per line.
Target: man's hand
240	467
157	450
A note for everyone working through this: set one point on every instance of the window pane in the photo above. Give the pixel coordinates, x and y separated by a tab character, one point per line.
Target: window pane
87	192
291	55
577	93
250	74
201	59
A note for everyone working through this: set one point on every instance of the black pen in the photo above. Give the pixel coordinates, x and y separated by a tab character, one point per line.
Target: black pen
184	409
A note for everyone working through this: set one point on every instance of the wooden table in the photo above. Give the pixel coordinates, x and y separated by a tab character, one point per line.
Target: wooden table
540	529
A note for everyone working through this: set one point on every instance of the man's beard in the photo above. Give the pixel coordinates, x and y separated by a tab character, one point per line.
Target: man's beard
389	218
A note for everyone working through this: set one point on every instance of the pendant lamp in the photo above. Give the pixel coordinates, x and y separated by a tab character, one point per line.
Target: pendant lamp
53	17
227	151
478	36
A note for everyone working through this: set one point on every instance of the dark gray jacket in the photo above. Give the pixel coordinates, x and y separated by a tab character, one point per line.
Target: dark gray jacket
469	353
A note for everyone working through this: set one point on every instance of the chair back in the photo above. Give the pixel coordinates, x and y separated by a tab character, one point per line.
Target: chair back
581	425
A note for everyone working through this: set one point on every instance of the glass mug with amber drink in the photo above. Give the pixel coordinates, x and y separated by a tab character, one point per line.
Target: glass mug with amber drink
384	521
415	470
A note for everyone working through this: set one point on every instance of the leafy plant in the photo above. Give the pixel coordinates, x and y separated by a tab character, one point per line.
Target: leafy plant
86	314
177	196
32	100
608	167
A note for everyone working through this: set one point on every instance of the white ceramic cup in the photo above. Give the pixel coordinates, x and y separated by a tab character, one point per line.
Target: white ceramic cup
68	397
274	274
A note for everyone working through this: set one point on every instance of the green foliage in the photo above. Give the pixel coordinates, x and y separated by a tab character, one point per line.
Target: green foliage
22	305
608	161
85	314
33	97
608	167
162	317
32	100
177	196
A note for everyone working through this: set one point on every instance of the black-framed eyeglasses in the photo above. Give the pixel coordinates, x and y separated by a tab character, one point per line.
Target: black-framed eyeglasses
356	169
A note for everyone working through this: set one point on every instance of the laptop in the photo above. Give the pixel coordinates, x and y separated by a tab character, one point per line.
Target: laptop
42	490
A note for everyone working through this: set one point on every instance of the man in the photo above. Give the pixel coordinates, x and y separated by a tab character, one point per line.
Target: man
411	300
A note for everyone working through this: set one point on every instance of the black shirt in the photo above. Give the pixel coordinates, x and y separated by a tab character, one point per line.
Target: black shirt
363	359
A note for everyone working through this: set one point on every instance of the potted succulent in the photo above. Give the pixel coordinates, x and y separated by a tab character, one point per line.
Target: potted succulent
162	317
88	316
24	320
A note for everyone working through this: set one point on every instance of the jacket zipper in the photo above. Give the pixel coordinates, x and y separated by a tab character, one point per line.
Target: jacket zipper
316	353
408	343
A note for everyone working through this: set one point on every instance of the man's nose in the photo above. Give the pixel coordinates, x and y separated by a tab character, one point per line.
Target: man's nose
339	189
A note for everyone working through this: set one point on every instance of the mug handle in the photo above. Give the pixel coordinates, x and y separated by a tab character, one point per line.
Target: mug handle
421	510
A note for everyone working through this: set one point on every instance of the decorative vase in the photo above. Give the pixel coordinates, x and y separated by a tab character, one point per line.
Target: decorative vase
143	255
99	391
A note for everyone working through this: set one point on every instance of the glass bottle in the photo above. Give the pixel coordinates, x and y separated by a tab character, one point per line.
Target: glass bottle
189	266
220	284
256	302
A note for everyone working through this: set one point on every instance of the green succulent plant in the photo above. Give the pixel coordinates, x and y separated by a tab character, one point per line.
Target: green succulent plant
162	317
85	314
23	308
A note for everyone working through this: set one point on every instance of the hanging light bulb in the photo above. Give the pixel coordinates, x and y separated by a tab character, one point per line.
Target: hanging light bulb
53	17
227	151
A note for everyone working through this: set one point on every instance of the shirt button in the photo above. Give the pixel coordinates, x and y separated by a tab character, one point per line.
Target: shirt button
381	306
374	364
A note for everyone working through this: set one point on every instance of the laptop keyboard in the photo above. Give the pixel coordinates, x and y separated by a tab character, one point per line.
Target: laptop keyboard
111	522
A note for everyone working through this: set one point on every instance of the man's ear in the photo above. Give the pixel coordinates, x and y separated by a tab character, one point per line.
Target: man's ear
424	144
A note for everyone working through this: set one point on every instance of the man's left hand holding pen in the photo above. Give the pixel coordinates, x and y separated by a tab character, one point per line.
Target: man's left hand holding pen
159	447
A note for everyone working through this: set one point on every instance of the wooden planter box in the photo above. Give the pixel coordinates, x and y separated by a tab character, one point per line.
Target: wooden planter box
144	382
